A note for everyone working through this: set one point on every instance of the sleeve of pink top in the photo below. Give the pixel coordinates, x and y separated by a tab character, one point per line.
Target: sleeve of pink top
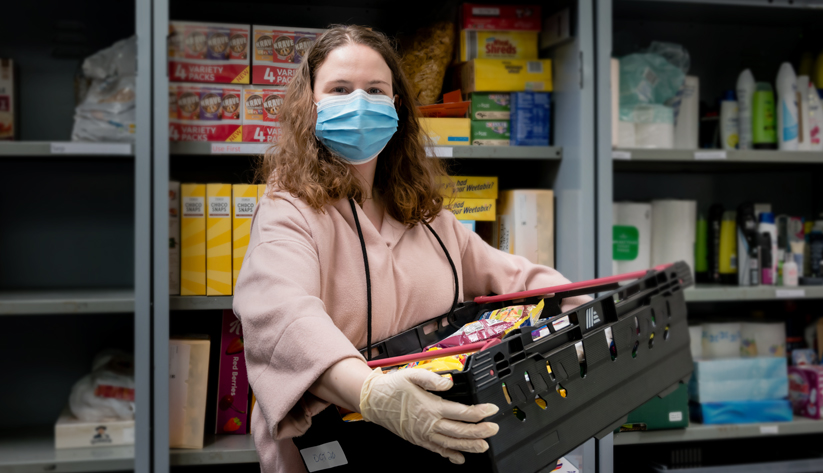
290	340
487	269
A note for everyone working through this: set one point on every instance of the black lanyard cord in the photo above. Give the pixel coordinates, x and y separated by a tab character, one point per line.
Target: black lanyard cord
368	275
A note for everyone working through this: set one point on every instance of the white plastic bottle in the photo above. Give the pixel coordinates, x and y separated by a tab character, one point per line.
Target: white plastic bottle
729	121
790	277
745	90
787	113
815	118
803	117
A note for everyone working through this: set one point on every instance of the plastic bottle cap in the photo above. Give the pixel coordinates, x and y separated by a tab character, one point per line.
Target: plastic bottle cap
789	258
767	217
729	96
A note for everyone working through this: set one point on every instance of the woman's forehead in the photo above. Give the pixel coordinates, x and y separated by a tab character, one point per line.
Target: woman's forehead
354	62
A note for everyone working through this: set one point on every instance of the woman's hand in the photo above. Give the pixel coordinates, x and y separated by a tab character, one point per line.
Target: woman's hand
400	402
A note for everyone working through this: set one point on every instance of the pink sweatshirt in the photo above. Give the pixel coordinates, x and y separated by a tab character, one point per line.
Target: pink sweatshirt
301	296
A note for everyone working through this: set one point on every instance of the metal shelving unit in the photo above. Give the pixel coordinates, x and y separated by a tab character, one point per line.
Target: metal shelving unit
195	148
32	451
65	149
71	301
716	293
699	432
200	302
218	449
719	156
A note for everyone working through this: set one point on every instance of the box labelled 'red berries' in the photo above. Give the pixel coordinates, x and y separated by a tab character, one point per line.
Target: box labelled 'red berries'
278	52
200	112
209	52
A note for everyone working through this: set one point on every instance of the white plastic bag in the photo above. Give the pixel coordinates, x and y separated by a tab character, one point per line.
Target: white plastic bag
119	59
107	392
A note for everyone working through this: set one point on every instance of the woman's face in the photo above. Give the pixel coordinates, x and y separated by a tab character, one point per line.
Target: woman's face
352	67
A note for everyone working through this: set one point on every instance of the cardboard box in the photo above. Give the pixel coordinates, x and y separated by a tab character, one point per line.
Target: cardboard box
670	412
500	17
205	113
447	131
742	412
278	52
261	191
506	75
193	240
218	240
232	380
482	210
498	45
188	386
525	224
208	52
469	187
71	432
8	112
174	238
244	199
805	389
739	379
490	106
530	118
260	120
490	133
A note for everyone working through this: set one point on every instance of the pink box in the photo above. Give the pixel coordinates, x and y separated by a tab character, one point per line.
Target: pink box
805	385
232	380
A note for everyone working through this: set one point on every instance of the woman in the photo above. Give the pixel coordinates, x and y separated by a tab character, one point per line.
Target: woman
324	276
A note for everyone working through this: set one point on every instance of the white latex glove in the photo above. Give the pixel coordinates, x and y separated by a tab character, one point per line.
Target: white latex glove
400	402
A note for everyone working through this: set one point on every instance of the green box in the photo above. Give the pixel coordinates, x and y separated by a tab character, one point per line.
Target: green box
670	412
491	106
490	133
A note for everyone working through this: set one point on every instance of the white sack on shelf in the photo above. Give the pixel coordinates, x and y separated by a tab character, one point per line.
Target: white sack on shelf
673	231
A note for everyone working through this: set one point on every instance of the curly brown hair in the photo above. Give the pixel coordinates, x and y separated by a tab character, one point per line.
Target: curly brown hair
405	178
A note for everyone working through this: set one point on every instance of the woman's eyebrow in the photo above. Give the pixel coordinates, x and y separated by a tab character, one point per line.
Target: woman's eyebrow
378	81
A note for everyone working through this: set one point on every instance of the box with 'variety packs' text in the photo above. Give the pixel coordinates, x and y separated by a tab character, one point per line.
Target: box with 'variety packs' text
278	52
208	52
193	240
218	240
260	115
244	199
205	112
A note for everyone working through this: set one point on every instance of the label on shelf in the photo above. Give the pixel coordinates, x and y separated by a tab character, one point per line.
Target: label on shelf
621	154
769	429
709	155
790	293
323	457
439	151
91	148
239	148
675	416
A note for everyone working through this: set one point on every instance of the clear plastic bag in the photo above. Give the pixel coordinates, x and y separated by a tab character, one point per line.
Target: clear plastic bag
653	76
108	391
117	60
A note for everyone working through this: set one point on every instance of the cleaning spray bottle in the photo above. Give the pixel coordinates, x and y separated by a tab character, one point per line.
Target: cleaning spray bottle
763	126
787	113
745	91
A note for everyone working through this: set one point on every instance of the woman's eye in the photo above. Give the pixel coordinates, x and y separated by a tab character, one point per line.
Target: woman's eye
339	90
375	91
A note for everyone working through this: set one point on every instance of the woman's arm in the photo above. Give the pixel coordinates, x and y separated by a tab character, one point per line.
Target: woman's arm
342	382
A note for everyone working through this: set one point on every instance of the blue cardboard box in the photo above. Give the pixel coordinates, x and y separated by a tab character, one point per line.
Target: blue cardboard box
740	369
742	412
530	118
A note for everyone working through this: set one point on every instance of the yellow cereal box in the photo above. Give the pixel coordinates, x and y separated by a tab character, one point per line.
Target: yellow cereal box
261	191
498	45
506	75
481	210
218	240
244	198
193	240
447	131
469	187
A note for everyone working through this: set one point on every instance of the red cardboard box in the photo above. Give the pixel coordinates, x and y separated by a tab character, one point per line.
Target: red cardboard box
232	380
260	122
199	112
500	17
278	52
208	52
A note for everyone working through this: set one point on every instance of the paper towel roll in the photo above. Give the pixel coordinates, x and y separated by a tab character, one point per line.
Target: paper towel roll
687	114
632	246
721	341
673	231
770	339
696	338
748	340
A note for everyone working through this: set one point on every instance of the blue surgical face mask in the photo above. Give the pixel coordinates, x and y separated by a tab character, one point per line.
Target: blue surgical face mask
356	126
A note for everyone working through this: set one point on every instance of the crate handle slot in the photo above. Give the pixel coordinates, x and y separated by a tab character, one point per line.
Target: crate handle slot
561	390
429	328
506	393
520	414
610	343
541	402
581	358
634	350
528	381
651	341
549	369
666	333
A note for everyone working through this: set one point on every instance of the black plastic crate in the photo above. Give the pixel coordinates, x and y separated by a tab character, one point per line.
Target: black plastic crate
647	319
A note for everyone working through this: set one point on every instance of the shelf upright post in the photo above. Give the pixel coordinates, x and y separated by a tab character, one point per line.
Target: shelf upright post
603	167
142	241
160	236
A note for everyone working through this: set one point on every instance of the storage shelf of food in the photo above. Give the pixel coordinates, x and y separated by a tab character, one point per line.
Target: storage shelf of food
196	148
64	149
721	156
218	449
66	301
698	432
200	302
718	293
32	450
